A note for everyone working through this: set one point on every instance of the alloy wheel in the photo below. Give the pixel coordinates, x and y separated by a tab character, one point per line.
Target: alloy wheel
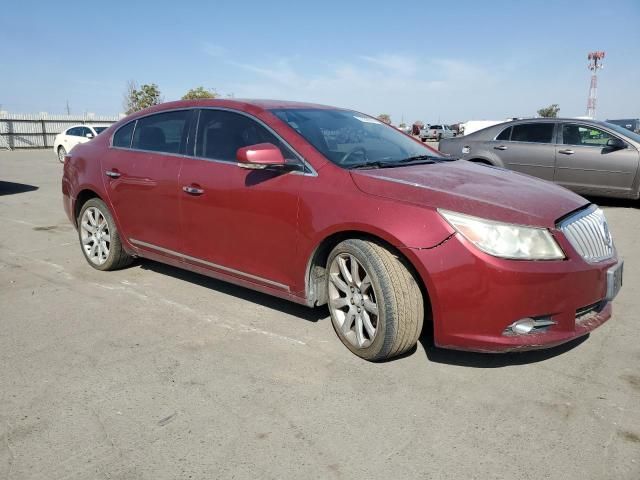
95	235
61	154
352	301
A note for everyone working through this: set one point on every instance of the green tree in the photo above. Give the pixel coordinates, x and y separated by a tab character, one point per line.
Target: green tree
199	92
385	118
549	112
139	98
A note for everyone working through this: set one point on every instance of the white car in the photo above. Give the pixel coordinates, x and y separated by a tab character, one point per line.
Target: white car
436	132
72	136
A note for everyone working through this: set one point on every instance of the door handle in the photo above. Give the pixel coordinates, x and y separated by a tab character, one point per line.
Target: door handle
192	190
500	147
112	173
568	151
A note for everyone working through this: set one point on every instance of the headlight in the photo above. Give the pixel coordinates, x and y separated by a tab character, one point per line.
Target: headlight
505	240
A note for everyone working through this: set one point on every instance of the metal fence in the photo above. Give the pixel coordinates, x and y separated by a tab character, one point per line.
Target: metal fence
39	130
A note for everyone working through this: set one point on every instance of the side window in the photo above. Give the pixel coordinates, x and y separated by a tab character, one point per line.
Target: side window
74	132
84	131
221	133
122	137
532	132
163	132
583	135
504	134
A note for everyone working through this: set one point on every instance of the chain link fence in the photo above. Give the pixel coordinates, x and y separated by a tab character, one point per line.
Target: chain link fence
27	130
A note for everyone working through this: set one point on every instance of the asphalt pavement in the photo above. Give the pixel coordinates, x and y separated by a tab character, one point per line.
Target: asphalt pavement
156	373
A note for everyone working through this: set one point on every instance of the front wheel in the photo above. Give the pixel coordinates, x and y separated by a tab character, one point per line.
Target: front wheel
61	154
99	237
376	305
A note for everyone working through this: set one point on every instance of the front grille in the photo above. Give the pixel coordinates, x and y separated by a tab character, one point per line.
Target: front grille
588	233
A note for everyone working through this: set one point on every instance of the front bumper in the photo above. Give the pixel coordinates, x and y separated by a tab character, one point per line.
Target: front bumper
475	297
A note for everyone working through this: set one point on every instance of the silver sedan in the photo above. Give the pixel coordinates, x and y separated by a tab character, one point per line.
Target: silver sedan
586	156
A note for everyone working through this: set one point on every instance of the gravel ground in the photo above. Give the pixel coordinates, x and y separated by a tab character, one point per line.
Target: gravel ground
156	373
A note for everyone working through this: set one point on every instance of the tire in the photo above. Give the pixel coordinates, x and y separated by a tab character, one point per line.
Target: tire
96	229
390	288
61	153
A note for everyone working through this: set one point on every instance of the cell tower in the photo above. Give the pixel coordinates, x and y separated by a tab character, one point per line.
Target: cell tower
595	64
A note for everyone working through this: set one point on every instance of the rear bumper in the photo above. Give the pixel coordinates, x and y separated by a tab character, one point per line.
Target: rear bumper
475	297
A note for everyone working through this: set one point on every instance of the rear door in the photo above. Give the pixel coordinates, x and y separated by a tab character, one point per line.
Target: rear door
237	221
141	177
585	163
527	148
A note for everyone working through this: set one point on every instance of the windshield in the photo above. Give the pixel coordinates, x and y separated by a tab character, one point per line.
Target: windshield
99	130
351	139
624	131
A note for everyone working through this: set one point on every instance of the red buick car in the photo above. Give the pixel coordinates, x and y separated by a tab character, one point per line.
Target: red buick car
321	205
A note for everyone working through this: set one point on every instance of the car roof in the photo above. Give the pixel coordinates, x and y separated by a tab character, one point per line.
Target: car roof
235	103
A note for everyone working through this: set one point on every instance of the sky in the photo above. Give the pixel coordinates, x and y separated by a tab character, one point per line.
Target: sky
435	61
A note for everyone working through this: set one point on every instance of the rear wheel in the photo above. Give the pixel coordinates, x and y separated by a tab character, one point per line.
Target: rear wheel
376	305
99	237
61	154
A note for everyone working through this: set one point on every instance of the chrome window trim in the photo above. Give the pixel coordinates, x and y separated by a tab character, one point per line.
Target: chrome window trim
210	264
309	171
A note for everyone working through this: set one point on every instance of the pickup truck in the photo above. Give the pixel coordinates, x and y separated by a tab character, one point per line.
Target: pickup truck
436	132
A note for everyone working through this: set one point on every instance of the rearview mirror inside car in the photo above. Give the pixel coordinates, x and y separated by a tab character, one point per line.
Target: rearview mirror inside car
616	144
260	156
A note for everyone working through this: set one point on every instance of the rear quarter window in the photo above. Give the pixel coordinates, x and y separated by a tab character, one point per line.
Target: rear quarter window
504	134
122	137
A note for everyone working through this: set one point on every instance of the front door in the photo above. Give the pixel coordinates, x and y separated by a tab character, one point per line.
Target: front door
141	177
585	163
237	221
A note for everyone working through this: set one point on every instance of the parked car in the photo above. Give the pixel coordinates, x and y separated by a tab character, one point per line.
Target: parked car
73	136
586	156
436	132
321	205
632	124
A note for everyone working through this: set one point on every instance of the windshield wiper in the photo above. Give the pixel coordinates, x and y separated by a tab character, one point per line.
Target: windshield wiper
374	164
421	159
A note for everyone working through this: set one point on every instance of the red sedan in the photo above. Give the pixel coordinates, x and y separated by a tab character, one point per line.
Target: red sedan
321	205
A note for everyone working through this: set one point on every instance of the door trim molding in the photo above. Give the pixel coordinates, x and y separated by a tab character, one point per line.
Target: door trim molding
233	271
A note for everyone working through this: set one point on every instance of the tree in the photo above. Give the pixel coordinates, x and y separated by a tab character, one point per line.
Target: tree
199	92
549	112
139	98
385	118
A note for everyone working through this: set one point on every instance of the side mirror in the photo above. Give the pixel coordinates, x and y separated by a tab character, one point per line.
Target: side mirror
616	144
260	156
89	135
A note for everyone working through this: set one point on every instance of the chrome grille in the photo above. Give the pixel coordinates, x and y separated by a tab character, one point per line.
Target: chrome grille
588	233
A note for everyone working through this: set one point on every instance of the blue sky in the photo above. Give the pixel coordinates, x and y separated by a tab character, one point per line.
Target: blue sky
465	60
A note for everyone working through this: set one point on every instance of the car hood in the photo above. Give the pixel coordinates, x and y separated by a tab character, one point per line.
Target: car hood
480	190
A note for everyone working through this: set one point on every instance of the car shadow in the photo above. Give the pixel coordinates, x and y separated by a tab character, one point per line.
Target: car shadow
12	188
433	353
493	360
269	301
614	202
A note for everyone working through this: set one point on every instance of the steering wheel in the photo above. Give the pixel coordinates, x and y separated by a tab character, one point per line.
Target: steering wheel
351	152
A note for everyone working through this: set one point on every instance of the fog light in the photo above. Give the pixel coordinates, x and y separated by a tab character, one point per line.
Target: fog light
528	325
523	326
